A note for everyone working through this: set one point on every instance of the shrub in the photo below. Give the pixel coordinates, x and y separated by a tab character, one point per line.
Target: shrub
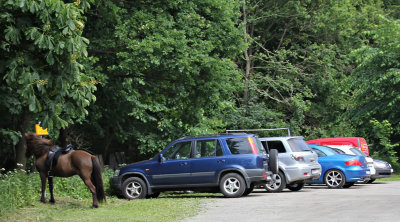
19	188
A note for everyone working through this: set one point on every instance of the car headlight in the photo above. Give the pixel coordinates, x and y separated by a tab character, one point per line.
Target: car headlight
116	173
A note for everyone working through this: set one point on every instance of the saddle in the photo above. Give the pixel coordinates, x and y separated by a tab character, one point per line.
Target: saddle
54	154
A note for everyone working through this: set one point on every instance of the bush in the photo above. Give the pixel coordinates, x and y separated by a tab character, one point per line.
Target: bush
19	188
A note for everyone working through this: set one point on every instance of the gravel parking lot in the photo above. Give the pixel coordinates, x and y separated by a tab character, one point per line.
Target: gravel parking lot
379	201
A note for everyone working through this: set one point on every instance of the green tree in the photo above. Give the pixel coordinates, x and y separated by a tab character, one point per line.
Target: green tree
43	67
297	64
377	77
168	67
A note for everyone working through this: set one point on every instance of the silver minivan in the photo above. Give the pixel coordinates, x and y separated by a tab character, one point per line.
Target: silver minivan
297	163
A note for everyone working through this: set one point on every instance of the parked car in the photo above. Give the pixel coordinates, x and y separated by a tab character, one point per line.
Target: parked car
349	149
339	170
297	163
379	168
228	163
383	169
358	142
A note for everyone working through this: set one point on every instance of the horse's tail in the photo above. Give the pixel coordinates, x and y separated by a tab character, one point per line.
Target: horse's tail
97	179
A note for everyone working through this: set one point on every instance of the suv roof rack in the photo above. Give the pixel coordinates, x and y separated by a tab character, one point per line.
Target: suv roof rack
212	135
253	130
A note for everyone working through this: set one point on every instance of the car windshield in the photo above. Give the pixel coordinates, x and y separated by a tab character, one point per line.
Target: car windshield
357	151
298	145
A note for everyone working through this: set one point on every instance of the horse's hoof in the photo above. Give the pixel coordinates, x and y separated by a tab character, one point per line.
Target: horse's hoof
95	206
52	201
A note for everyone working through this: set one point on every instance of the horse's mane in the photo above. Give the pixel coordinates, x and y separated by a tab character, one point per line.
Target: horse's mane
36	145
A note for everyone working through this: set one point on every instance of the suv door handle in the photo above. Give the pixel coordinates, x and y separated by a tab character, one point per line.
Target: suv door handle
183	164
221	161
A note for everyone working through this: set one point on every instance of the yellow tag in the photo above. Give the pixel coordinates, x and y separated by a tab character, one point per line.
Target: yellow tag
40	131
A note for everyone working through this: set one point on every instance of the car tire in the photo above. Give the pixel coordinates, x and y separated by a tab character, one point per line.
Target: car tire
334	179
277	185
295	186
134	188
153	195
232	185
348	185
248	190
273	161
371	181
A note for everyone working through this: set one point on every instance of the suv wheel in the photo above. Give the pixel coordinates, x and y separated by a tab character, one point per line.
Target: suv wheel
277	185
273	161
295	186
134	188
249	190
335	179
232	185
153	195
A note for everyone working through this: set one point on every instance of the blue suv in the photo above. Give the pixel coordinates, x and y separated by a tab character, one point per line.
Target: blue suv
228	163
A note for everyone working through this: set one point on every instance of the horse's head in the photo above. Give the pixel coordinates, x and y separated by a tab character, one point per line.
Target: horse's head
35	145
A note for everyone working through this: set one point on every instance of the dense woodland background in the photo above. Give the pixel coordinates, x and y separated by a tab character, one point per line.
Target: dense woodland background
133	76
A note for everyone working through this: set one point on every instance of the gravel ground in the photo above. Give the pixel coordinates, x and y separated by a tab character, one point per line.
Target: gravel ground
379	202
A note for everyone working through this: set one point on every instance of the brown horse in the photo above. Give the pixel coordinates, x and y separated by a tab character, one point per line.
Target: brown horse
76	162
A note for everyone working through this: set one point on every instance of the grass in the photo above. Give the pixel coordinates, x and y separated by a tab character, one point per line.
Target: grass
394	177
20	194
168	207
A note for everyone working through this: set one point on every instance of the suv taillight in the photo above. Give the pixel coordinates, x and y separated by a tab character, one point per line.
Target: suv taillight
252	145
353	163
297	158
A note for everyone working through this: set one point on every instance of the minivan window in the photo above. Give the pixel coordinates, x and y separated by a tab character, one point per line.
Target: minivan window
298	145
278	145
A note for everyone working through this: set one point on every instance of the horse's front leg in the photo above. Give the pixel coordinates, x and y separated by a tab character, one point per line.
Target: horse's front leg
43	180
51	189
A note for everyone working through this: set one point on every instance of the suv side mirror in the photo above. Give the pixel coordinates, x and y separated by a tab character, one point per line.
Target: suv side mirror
161	158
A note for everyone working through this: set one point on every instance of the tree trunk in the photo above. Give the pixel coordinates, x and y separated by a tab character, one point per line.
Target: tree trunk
21	145
62	138
247	59
108	140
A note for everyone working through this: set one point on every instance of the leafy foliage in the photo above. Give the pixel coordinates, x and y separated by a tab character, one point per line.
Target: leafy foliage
168	68
133	76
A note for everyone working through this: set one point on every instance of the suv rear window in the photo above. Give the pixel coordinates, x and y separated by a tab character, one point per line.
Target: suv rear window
298	145
242	145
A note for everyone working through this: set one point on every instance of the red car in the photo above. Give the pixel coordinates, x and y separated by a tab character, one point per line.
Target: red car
358	142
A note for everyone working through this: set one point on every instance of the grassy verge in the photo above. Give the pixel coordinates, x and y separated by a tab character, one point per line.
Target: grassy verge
164	208
20	194
394	177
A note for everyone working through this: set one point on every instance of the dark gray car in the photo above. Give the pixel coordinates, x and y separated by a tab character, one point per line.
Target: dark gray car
383	169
